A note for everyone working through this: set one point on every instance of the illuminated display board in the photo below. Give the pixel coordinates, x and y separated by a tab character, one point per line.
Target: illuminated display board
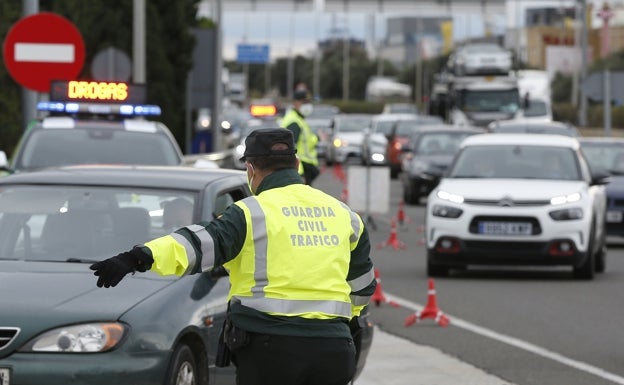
97	91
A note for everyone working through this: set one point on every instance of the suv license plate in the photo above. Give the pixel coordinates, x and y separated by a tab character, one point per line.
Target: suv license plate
5	376
505	228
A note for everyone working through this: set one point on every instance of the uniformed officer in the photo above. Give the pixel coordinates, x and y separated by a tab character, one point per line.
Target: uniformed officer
298	263
305	139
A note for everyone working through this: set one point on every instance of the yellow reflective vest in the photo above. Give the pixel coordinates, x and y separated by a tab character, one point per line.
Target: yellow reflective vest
306	144
296	255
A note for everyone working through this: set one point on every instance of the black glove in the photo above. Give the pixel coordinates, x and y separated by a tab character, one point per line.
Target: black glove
112	270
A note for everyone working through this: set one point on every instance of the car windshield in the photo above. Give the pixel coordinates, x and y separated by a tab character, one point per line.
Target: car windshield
516	162
384	126
536	129
58	147
406	127
321	111
489	100
605	156
442	143
353	124
68	223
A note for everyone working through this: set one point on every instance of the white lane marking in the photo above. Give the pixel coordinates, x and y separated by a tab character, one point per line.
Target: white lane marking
44	52
516	342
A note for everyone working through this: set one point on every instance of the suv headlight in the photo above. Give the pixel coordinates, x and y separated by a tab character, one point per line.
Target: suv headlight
446	211
567	214
83	338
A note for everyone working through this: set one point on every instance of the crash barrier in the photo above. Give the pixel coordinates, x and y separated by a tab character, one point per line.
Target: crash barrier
393	239
378	296
430	310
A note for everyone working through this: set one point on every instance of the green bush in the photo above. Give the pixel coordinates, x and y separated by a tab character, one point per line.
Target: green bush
595	115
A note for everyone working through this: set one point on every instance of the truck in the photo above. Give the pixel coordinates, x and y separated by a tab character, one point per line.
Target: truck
476	100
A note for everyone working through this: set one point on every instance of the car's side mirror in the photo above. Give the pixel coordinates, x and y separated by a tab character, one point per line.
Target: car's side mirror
600	177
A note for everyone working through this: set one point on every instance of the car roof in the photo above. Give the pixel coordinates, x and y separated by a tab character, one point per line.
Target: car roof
521	139
174	177
602	139
448	128
393	117
141	125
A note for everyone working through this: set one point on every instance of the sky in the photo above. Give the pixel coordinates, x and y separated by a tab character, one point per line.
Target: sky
297	32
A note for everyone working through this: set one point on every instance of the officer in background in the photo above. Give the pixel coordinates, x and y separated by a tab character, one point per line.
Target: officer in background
305	139
298	264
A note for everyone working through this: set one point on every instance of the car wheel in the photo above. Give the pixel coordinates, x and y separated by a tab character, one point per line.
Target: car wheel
435	270
183	369
586	269
600	261
410	193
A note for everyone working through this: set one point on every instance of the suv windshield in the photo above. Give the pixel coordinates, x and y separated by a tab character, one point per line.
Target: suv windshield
57	147
516	162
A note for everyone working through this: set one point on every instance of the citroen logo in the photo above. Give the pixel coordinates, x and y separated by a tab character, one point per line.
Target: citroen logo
506	202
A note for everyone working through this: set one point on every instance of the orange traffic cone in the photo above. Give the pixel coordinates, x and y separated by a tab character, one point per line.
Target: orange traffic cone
430	310
344	196
402	218
378	296
339	173
393	240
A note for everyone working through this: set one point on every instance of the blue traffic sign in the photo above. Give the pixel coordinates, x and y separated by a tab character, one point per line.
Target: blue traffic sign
252	53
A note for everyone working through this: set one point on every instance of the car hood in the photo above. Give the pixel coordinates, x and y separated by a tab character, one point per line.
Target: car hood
616	185
53	293
351	137
515	189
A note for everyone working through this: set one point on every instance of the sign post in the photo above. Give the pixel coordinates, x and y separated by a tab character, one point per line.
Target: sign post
43	47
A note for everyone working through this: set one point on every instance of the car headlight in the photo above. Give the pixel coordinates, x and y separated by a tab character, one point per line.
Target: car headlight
567	214
240	150
446	211
83	338
340	142
570	198
447	196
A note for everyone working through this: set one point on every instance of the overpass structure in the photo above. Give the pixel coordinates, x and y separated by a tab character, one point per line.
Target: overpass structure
422	7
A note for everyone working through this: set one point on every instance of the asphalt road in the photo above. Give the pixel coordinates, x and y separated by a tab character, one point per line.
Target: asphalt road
524	326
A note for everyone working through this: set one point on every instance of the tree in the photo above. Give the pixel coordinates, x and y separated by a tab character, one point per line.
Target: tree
108	23
10	94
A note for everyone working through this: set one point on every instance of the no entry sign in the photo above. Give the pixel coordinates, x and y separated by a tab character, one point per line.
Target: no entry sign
41	48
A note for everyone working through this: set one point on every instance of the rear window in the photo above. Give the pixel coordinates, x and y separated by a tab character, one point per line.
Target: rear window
57	147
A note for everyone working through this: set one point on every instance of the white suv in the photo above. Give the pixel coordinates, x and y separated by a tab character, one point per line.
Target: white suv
517	199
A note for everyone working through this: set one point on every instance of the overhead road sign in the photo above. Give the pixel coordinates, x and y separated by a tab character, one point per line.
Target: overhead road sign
43	47
252	53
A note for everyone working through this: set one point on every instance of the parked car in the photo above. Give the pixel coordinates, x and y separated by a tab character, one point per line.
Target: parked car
607	154
427	156
150	329
533	127
480	59
399	135
518	199
346	138
95	133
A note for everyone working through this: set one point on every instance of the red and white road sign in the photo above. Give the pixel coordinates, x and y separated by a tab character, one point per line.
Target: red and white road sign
43	47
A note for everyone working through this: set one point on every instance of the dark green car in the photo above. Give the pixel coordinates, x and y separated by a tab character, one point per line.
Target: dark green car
57	327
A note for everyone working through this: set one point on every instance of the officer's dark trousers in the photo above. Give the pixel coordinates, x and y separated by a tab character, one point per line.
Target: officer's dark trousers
283	360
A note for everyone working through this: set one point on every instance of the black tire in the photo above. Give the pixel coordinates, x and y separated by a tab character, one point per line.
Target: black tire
435	270
586	269
600	261
183	368
410	193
